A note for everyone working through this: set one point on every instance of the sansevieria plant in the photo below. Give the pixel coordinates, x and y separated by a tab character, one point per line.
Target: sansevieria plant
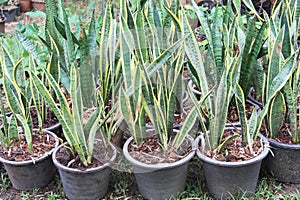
18	96
214	102
283	50
151	91
88	114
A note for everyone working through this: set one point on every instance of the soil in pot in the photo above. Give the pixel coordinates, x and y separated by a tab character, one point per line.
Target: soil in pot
178	118
235	151
18	150
51	123
150	152
233	116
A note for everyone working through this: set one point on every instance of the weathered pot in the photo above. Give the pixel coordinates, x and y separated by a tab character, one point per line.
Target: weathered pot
230	178
284	162
159	181
27	175
81	185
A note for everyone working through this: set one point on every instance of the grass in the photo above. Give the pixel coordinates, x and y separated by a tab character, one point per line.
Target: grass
123	186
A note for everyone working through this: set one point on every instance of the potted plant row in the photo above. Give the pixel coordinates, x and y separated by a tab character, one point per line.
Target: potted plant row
139	62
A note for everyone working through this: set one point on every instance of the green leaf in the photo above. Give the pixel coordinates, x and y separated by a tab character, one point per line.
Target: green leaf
241	107
186	128
277	113
26	131
226	141
13	96
195	58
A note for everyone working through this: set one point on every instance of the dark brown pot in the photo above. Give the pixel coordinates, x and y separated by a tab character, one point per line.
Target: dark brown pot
2	24
25	5
39	5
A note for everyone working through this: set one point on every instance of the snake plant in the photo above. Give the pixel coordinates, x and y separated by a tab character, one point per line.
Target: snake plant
213	105
151	89
80	129
283	50
18	97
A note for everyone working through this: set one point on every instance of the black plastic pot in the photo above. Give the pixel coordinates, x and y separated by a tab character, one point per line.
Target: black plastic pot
284	162
231	178
159	181
10	14
31	174
82	185
252	100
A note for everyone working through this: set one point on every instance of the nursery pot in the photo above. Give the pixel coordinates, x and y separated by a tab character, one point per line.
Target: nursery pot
284	162
230	178
2	24
88	184
25	5
39	5
252	100
10	14
159	181
27	175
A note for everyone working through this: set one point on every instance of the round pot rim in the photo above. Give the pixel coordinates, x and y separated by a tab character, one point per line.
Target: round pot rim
158	166
90	170
185	96
252	100
50	128
274	143
190	84
37	1
254	160
29	162
13	7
